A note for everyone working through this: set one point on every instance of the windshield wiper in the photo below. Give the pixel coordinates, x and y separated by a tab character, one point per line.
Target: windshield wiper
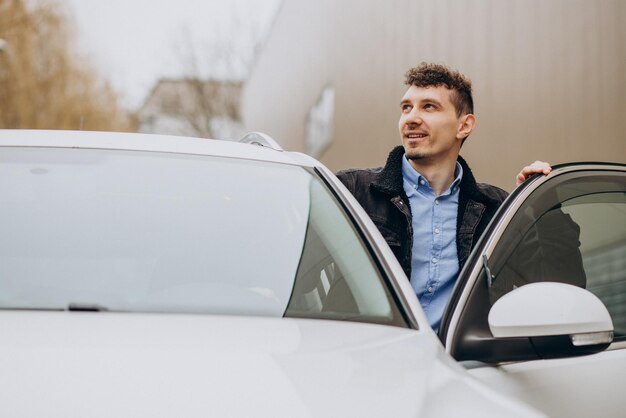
77	307
86	307
27	308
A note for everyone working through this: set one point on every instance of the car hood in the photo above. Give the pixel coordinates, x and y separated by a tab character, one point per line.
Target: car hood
110	364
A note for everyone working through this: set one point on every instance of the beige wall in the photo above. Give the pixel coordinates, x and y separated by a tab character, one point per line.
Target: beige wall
549	76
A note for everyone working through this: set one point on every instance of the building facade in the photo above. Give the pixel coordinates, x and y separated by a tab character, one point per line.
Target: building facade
549	78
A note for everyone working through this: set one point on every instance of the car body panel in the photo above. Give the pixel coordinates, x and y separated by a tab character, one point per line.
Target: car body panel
575	387
117	364
149	142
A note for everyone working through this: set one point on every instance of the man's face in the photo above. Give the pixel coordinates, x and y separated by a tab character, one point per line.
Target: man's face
429	127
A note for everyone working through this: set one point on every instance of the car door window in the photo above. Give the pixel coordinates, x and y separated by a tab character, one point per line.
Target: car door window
335	277
573	232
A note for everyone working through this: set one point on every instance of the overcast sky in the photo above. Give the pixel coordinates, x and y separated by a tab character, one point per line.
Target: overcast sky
133	43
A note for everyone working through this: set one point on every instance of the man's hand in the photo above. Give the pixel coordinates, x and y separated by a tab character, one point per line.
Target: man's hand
529	170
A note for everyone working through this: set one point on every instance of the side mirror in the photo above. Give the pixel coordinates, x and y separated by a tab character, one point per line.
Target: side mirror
559	319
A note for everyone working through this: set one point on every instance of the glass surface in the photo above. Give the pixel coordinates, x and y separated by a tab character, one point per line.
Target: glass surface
158	232
572	230
335	276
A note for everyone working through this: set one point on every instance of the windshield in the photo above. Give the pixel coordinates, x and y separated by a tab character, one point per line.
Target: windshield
157	232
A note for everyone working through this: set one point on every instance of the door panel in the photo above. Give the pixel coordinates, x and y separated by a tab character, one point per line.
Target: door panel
569	227
589	386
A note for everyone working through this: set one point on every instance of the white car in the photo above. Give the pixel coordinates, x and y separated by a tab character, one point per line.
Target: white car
145	275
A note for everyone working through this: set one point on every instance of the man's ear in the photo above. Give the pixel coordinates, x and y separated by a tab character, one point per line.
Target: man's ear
467	124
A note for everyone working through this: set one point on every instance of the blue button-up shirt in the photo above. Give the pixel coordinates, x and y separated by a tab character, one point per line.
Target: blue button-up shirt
434	262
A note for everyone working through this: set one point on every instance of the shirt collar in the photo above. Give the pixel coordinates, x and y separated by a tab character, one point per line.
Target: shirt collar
416	180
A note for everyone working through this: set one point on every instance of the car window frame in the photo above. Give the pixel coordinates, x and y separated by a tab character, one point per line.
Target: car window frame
372	244
353	284
459	304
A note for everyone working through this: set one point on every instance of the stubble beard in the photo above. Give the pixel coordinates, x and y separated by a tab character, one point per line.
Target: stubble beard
416	154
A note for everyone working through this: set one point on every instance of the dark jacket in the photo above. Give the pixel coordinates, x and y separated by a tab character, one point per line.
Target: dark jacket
380	192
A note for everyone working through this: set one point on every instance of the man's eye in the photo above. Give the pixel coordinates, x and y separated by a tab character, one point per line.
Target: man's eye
429	106
406	108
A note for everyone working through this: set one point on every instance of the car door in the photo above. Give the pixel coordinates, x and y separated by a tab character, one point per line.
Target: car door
569	227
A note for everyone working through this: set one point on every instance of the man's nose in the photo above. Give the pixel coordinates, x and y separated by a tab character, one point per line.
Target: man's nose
414	117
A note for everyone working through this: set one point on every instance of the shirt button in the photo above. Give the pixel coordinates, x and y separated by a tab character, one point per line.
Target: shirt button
436	230
430	289
422	182
437	202
434	260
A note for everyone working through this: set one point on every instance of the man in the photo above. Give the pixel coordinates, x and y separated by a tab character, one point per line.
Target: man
425	200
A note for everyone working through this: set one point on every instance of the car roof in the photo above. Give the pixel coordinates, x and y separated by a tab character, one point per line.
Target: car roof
151	143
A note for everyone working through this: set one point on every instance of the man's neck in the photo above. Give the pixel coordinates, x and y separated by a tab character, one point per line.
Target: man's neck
440	175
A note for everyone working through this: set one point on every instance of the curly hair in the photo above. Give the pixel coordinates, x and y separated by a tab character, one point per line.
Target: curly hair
435	75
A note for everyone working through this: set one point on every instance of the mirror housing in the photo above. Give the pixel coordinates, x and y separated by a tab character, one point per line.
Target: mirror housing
560	319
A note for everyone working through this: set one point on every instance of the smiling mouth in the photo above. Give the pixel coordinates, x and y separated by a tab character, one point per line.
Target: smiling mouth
416	136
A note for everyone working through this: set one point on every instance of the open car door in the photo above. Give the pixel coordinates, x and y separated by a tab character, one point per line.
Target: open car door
539	310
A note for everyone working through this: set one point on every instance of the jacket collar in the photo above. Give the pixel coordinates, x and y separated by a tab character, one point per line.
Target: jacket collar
389	180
